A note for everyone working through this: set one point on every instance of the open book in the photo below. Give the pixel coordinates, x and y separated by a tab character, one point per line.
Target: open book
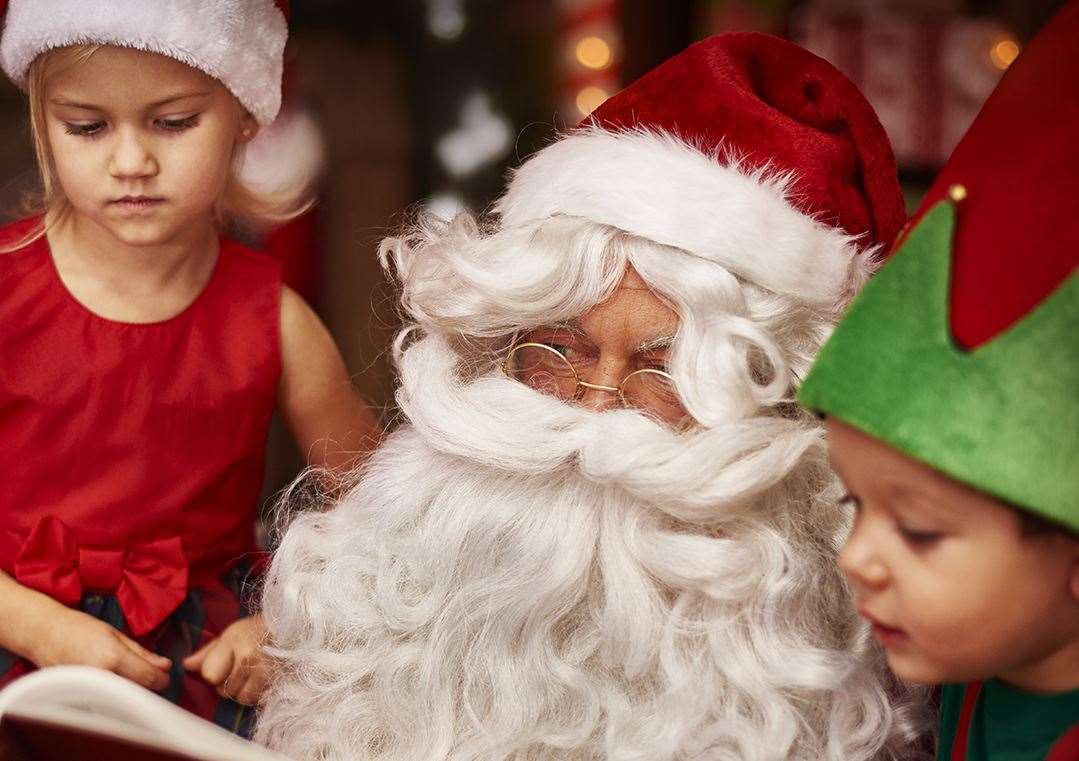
76	712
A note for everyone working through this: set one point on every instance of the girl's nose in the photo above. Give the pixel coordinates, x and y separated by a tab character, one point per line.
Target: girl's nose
131	158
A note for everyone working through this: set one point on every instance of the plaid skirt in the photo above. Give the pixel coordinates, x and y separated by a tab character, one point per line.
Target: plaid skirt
203	615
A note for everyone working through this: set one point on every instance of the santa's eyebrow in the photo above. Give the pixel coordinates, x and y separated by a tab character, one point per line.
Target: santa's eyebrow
651	344
663	341
573	326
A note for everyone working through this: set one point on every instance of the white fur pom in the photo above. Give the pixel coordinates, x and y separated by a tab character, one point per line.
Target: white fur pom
287	156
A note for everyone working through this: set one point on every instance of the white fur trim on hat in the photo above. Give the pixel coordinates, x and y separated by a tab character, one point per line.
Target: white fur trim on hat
239	42
656	186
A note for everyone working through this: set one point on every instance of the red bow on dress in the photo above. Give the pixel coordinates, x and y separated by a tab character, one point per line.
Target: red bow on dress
149	580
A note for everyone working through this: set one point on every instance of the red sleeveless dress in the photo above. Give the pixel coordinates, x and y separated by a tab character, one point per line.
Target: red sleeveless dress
133	454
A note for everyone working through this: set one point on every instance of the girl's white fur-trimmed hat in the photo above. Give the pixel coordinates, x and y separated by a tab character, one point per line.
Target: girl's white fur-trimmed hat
744	149
240	43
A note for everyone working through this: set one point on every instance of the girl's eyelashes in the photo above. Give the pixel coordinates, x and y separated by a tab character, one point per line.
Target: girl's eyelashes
84	129
94	129
178	125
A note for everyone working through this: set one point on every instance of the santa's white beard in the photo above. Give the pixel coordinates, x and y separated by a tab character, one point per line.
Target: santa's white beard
516	578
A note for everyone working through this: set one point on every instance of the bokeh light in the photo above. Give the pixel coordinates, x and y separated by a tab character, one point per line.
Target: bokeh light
590	98
594	52
1003	53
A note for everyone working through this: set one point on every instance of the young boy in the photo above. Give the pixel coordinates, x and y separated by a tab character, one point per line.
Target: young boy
951	390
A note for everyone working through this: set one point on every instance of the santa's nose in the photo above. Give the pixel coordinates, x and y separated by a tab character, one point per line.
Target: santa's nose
599	383
598	397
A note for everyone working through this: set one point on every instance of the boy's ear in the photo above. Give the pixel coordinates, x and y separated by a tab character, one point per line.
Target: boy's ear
1072	540
248	129
1075	574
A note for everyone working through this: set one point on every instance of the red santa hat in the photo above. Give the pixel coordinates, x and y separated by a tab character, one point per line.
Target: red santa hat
744	149
241	43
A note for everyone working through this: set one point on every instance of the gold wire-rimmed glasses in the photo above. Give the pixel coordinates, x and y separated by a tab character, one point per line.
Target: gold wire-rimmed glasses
543	367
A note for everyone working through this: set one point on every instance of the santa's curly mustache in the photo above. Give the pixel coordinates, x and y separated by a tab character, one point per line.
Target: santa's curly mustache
516	577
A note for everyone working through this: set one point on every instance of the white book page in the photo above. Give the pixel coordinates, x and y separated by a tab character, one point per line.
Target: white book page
99	701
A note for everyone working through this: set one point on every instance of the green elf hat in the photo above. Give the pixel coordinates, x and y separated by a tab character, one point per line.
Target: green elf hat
963	351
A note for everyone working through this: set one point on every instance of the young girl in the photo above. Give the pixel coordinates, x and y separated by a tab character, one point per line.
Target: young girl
142	354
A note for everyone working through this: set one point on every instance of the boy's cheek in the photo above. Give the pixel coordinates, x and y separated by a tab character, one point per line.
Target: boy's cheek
933	652
954	635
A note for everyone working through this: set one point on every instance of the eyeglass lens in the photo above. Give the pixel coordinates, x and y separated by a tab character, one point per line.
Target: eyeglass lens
654	392
544	369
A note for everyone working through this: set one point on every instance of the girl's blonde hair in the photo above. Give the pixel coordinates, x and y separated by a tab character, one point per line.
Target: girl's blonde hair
239	206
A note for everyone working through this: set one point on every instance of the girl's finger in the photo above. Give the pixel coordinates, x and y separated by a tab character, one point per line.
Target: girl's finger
155	660
231	687
257	681
242	671
193	662
217	663
250	693
138	670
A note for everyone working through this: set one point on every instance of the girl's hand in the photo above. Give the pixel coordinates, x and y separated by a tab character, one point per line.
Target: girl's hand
234	662
73	637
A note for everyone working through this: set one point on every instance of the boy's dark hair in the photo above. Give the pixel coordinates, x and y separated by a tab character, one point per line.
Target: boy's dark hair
1032	525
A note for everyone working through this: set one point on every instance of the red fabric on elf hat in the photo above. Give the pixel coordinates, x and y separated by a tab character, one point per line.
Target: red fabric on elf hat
744	149
1019	167
978	308
241	43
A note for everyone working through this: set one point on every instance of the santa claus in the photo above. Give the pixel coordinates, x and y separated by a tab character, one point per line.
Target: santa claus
604	529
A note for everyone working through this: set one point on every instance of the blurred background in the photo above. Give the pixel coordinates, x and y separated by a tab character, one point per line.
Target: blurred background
416	103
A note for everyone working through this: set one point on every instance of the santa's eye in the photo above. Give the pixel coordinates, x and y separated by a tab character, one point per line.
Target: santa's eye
566	343
561	348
